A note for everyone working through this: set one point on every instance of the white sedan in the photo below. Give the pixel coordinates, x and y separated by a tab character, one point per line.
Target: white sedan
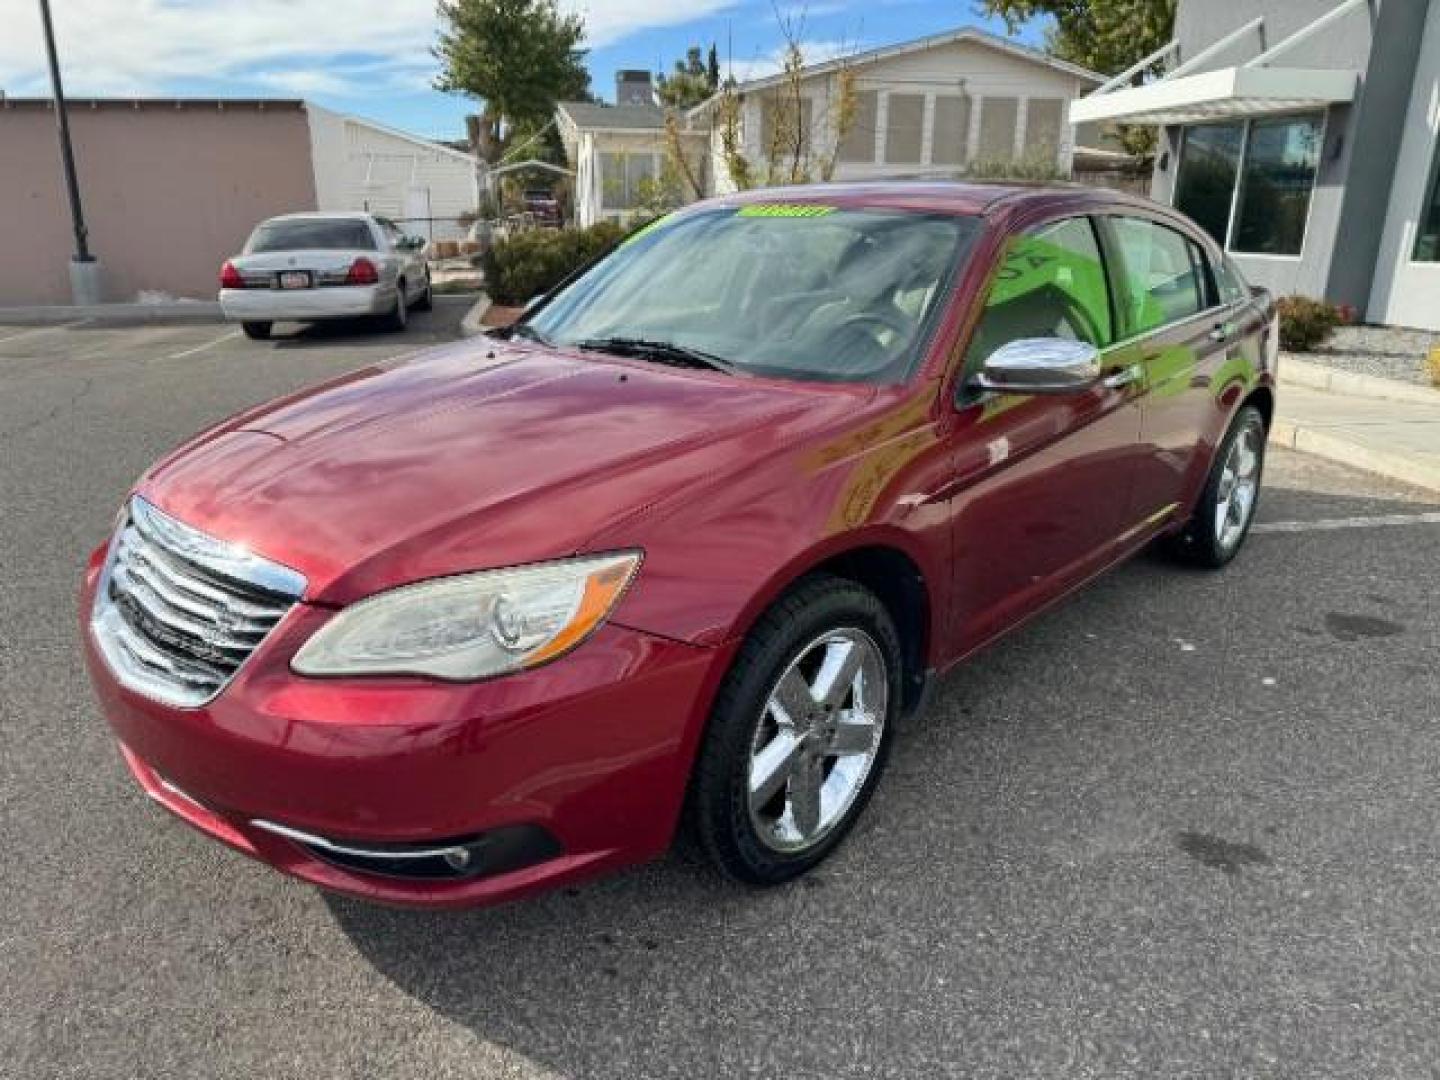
316	266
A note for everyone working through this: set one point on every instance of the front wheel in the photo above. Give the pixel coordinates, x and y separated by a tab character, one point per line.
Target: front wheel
1226	509
799	734
427	298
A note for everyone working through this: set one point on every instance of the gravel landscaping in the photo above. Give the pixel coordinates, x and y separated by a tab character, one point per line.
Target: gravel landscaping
1387	352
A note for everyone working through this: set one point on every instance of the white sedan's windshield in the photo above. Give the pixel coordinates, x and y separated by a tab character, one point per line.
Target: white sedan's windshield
806	291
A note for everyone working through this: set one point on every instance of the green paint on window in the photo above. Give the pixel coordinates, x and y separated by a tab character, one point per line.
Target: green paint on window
784	210
645	230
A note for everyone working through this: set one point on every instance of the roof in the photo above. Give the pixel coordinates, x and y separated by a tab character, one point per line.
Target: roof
588	116
218	104
886	52
1215	95
396	133
957	197
327	215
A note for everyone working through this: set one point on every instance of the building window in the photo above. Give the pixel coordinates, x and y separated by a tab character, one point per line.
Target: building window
998	117
1043	118
904	129
1427	240
952	130
1209	164
1249	184
1276	178
623	179
858	146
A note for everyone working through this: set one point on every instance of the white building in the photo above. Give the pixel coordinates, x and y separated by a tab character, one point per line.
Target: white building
941	106
421	185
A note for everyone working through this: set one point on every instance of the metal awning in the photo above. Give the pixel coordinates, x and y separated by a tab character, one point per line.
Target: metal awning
1217	95
1188	95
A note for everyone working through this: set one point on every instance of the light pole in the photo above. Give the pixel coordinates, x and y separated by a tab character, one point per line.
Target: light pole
84	270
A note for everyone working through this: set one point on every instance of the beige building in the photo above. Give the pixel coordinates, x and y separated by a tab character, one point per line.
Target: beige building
963	101
171	187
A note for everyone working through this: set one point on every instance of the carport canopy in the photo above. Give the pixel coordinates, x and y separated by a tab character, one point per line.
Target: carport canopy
1218	95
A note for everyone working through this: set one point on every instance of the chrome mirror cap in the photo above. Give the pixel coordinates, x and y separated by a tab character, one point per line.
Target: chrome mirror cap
1041	366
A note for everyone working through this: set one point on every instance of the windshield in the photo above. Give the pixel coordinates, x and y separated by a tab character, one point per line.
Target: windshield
805	291
312	234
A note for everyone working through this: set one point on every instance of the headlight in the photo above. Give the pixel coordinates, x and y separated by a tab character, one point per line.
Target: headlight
473	626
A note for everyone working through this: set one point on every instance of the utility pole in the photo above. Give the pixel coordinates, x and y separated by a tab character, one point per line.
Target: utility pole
84	270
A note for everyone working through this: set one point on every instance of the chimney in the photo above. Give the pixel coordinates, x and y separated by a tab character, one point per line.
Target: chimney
633	88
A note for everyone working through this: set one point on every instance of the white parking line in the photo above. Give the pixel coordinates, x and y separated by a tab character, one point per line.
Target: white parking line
34	331
201	348
1331	524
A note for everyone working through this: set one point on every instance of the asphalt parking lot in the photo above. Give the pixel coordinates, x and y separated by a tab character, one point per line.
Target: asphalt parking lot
1184	825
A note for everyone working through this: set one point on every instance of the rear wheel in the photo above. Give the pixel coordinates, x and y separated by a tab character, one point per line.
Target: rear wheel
399	316
799	734
427	298
256	331
1222	518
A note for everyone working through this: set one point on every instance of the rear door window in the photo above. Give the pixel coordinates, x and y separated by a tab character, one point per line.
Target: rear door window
1160	280
312	234
1051	284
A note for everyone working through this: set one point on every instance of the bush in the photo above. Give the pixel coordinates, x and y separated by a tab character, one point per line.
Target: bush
1306	323
528	264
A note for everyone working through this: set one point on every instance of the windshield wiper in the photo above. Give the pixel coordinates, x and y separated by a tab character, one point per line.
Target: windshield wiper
662	352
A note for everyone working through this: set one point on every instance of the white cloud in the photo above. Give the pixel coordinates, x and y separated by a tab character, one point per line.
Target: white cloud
135	47
814	52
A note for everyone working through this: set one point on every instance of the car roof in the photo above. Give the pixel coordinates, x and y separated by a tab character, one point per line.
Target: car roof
324	215
944	196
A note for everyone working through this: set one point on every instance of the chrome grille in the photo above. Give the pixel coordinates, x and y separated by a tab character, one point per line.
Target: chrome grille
177	612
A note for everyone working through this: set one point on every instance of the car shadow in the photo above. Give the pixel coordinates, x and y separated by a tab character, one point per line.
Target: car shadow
440	323
989	860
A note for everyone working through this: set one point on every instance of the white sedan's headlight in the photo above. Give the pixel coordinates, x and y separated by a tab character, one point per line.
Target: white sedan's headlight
473	626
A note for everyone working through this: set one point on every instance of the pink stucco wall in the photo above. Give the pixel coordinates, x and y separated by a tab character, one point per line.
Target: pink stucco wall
169	191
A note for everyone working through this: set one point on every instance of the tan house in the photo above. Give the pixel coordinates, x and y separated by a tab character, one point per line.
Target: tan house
942	105
171	187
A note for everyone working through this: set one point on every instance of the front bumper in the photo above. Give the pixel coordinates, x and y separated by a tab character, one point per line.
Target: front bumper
306	305
592	750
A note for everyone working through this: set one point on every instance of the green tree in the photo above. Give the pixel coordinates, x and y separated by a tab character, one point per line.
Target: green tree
689	84
712	69
519	57
1107	36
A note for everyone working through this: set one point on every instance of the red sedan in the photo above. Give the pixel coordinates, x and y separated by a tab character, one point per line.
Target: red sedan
683	546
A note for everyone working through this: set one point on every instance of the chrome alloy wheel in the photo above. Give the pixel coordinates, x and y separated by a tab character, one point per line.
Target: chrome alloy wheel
817	739
1239	484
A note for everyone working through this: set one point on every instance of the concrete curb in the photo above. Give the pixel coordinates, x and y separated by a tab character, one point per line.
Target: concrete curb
178	311
1332	447
1319	377
472	323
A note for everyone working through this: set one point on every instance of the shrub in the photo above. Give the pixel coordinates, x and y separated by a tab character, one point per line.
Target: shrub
528	264
1306	323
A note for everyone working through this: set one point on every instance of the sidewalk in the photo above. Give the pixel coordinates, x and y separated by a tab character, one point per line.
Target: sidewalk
1397	439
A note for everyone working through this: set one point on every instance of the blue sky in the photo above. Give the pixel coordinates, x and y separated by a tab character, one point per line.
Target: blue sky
371	57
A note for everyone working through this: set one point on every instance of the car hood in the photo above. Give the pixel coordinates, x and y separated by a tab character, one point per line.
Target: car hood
478	455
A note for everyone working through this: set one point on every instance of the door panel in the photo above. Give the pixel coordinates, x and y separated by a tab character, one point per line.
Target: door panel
1044	480
1179	336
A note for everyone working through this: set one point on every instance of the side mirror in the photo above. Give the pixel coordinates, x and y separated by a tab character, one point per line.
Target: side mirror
1041	366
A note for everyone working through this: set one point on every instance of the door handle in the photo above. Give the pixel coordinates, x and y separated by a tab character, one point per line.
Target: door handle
1122	377
1222	332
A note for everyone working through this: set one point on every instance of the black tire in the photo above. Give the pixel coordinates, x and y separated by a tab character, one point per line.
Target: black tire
257	331
1200	542
427	298
718	808
399	316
